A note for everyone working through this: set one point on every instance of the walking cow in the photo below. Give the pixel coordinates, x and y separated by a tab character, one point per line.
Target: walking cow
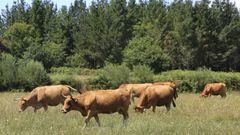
44	96
91	103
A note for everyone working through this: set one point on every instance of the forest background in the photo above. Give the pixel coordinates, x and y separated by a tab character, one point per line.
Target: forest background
117	41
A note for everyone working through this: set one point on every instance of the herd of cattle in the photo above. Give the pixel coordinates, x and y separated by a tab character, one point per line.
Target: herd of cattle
91	103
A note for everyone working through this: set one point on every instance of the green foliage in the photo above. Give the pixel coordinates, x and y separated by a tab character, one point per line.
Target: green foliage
18	38
32	74
68	79
178	35
65	70
72	71
8	71
194	81
55	55
141	74
145	51
21	74
111	76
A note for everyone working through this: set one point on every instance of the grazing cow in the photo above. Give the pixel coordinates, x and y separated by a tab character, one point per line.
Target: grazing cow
135	89
44	96
172	84
91	103
214	89
156	95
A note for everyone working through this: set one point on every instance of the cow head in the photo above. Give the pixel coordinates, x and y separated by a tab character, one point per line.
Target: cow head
139	109
203	95
68	104
23	104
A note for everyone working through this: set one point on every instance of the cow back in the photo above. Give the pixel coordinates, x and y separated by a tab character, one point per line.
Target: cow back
52	94
104	101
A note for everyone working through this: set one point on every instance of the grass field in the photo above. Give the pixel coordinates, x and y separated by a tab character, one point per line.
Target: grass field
192	116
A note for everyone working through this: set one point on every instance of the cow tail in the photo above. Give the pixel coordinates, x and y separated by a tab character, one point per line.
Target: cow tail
175	93
174	105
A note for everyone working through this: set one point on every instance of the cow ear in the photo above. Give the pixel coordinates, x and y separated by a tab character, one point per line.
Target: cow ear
24	99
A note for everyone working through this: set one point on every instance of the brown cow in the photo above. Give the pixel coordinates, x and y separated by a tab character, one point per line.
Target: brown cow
172	84
156	95
135	89
91	103
44	96
214	89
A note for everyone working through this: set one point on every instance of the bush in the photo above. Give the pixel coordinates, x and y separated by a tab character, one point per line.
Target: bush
111	76
8	71
68	80
21	74
194	81
32	74
72	71
141	74
64	70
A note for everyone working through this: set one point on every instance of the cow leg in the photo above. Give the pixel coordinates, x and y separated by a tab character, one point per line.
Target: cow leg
125	116
35	110
168	106
153	108
87	119
97	120
133	98
208	94
45	107
223	95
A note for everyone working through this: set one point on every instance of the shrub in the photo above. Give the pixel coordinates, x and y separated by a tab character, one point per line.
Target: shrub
64	70
21	74
8	71
68	80
111	76
141	74
32	74
194	81
72	71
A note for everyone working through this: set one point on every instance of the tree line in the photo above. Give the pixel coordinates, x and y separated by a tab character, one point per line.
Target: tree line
163	36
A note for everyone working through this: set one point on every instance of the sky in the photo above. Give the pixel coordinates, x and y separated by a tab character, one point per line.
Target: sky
60	3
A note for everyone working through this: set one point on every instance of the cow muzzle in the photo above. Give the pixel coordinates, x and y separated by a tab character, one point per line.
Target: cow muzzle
139	109
20	110
64	110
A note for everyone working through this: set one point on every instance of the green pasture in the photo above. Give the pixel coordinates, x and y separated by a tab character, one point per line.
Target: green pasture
192	116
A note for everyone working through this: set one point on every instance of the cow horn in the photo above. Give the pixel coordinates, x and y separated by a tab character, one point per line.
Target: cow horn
64	95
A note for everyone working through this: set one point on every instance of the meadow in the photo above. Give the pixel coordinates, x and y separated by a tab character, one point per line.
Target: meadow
192	116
